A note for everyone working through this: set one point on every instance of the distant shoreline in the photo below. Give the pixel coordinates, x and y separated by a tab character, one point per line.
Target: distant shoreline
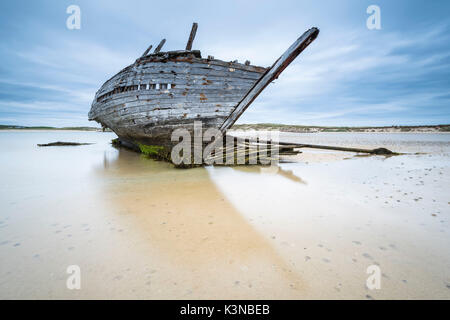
313	129
10	127
443	128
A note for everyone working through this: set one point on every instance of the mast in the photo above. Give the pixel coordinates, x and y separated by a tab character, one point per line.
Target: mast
191	36
160	45
147	51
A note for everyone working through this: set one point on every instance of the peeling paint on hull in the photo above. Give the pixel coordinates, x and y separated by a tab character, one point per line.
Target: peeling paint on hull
159	93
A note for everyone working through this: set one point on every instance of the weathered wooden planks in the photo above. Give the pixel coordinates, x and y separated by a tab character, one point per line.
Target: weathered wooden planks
178	73
195	89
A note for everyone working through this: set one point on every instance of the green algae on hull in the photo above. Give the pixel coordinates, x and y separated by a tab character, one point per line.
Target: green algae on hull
115	142
154	151
163	153
150	150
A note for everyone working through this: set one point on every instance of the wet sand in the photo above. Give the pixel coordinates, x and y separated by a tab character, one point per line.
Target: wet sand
141	229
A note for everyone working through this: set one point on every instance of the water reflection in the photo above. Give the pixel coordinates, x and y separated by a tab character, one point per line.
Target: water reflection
275	169
184	216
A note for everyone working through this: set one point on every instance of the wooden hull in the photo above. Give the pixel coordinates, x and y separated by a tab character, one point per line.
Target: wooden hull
146	101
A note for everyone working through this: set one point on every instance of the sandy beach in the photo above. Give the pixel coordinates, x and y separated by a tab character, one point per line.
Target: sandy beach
307	229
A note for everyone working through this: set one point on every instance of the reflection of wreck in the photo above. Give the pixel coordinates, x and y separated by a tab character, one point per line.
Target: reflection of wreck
163	91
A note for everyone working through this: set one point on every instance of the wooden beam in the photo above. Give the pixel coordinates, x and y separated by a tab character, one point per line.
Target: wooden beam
271	74
192	36
160	45
147	51
291	145
378	151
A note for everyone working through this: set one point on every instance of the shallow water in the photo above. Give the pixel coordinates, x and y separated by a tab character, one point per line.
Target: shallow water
138	228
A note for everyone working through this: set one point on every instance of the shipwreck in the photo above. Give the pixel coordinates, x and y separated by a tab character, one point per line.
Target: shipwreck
162	91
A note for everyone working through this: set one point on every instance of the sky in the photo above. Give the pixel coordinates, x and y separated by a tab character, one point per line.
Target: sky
349	76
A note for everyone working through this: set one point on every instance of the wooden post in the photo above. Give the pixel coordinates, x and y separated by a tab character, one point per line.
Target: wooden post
271	74
192	36
147	51
160	45
378	151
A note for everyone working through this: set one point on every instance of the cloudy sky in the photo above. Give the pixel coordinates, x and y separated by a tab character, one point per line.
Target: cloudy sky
399	75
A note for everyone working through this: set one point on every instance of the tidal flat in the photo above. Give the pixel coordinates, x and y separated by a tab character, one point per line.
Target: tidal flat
306	229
